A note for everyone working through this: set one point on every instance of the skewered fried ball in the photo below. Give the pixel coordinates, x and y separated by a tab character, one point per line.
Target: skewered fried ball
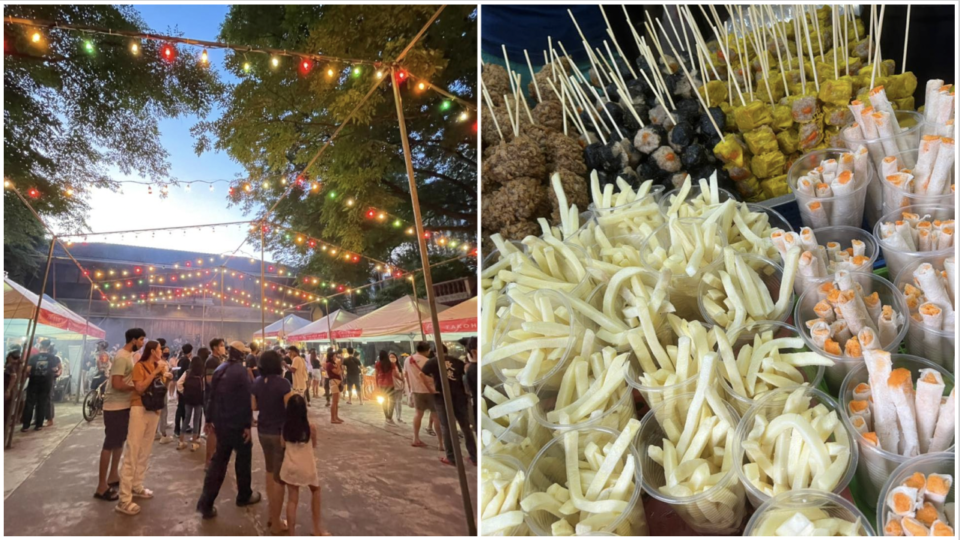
515	201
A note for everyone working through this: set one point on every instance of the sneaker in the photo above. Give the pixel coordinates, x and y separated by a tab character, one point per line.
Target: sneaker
181	445
188	430
254	499
166	439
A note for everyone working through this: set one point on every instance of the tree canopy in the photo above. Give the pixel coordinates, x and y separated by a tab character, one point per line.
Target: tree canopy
75	111
276	119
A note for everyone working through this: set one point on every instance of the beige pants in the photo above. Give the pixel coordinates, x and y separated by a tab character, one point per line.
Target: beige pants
136	455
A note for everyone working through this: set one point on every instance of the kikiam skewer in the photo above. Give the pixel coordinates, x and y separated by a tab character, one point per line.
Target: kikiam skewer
693	85
533	76
486	98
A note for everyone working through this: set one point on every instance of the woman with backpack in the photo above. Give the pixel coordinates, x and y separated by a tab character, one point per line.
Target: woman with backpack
192	386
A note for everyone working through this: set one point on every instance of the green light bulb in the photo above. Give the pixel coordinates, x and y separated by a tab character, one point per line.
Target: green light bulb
445	105
88	45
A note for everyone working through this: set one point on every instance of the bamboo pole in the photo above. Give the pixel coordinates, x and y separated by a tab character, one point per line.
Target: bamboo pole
83	346
25	353
416	306
428	282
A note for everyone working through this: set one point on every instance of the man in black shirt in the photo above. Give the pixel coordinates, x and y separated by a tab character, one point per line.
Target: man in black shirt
251	360
42	370
454	373
183	365
354	376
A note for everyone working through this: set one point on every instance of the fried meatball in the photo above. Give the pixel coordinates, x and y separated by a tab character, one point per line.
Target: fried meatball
521	157
516	200
564	152
550	114
497	81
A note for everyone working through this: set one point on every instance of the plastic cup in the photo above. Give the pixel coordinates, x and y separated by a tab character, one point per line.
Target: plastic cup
895	198
668	198
653	395
623	408
849	207
716	511
771	406
911	127
775	220
683	287
632	217
508	368
938	346
771	274
843	235
744	335
876	464
505	465
500	439
940	130
870	283
489	266
897	259
937	462
788	502
549	468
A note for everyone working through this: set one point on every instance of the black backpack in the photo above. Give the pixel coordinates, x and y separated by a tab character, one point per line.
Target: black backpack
193	390
153	396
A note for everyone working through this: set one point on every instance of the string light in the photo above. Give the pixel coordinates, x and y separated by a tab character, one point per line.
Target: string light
379	74
88	46
169	52
463	116
305	66
246	67
329	72
356	71
36	37
422	86
274	61
349	202
7	183
204	57
135	48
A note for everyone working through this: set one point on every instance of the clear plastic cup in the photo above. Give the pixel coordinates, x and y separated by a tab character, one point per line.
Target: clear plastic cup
911	127
508	368
774	221
938	346
788	502
494	261
683	287
497	438
632	217
841	210
895	198
744	335
771	274
506	466
940	130
897	259
668	198
771	406
937	462
549	468
716	511
870	283
876	464
623	408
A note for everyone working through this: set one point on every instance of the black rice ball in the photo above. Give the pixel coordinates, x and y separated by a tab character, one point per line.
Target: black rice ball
592	158
693	156
681	136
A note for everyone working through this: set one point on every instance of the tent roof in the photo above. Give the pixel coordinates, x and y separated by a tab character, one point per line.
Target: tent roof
285	325
20	304
317	330
397	317
460	319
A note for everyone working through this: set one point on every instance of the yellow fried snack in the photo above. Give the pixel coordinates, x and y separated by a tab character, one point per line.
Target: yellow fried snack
836	92
761	140
752	116
768	165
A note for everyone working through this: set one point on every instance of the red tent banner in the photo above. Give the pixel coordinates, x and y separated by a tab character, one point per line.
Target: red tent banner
461	318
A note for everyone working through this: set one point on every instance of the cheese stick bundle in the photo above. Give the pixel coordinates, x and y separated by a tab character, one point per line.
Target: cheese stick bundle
760	357
586	481
685	444
669	365
930	181
536	334
793	439
691	200
827	251
501	479
923	231
507	423
808	512
832	191
748	226
738	289
841	317
913	499
939	108
930	298
593	387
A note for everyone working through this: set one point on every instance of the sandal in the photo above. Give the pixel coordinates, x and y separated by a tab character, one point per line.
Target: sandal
130	509
143	494
419	444
446	461
108	495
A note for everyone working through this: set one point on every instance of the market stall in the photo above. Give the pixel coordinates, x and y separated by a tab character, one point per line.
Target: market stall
460	321
281	329
320	329
397	321
719	292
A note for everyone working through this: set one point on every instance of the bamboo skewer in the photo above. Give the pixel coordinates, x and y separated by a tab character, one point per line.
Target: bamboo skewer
686	38
596	70
876	58
675	34
846	44
816	22
659	77
776	45
853	21
761	56
533	76
906	40
870	34
798	42
813	62
523	99
833	14
506	60
656	43
486	97
744	58
699	97
614	39
701	44
622	87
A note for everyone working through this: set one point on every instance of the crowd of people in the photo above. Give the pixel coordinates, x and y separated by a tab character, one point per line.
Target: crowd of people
225	390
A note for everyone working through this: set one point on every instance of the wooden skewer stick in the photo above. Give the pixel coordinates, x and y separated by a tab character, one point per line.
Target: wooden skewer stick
798	42
813	59
597	70
613	38
591	112
816	22
506	60
906	40
513	125
703	76
622	87
656	43
586	45
683	28
833	14
675	34
876	58
658	76
783	33
523	100
757	36
699	97
553	69
656	94
563	101
700	43
607	112
870	35
846	43
486	97
568	94
533	76
744	59
776	45
853	21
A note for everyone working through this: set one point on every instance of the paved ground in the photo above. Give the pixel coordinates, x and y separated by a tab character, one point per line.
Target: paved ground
374	483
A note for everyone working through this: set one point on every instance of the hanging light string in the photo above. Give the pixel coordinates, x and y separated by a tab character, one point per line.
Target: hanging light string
424	84
332	249
159	229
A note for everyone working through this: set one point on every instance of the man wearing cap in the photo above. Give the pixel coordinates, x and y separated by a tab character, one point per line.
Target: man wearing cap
229	415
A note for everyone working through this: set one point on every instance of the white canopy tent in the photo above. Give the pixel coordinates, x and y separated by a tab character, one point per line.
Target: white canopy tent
281	329
319	330
55	321
396	321
460	321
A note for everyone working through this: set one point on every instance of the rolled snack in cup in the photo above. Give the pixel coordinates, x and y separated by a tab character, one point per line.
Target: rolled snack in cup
902	501
904	399
879	367
926	157
888	324
878	98
856	107
937	488
900	181
817	214
885	129
946	422
940	177
945	104
933	287
854	311
842	186
931	95
930	387
889	165
868	338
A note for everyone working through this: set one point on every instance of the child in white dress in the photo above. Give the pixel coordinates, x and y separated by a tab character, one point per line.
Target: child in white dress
299	464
